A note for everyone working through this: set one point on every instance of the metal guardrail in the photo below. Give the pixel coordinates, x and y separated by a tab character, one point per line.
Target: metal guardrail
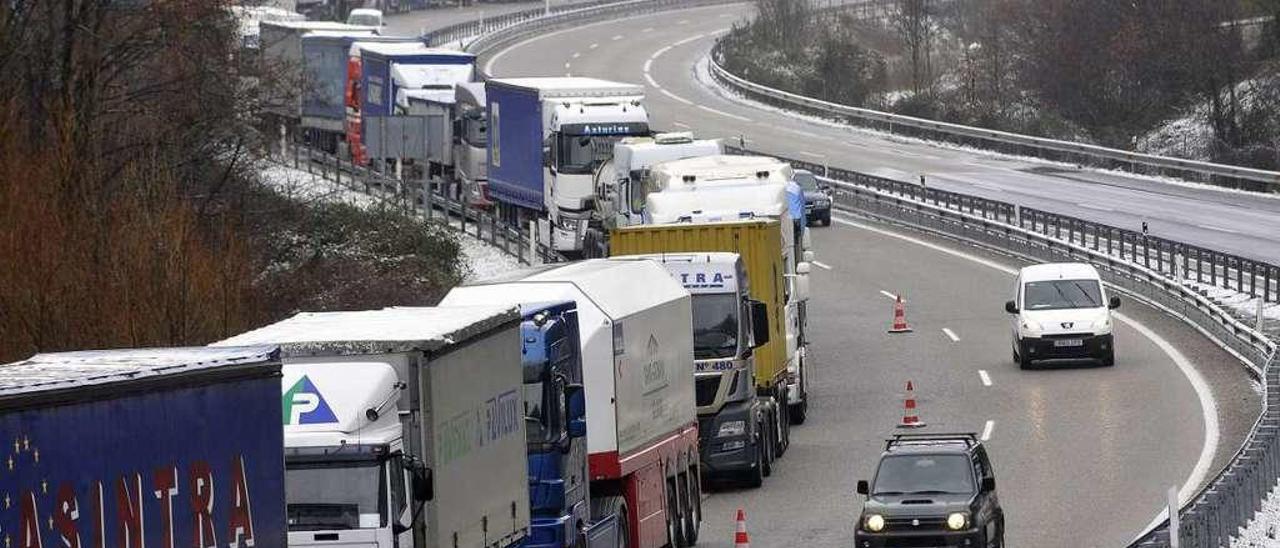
1014	143
431	200
1229	500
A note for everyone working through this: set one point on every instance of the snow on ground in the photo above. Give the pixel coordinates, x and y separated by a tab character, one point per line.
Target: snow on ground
702	73
1264	528
1240	302
482	260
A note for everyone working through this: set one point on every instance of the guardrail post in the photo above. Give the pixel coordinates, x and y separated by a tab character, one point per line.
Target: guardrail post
533	242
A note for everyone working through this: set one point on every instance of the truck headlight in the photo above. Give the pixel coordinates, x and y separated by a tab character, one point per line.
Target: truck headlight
957	521
732	428
873	523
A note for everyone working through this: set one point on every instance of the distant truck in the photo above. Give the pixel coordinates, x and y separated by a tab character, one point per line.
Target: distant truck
281	52
471	144
726	188
547	138
734	271
325	57
637	353
402	427
380	74
622	182
117	446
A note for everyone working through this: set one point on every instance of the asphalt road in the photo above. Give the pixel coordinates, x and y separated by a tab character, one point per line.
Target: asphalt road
423	21
663	52
1083	455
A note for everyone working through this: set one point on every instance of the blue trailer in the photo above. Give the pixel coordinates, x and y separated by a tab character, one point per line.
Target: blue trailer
133	448
555	411
420	67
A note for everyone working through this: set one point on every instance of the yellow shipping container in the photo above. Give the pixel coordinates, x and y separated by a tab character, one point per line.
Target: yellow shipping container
758	242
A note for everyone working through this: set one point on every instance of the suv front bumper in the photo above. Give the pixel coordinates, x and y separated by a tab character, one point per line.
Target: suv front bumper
908	539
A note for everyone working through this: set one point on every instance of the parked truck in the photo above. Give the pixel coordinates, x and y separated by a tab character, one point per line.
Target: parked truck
402	427
547	138
379	73
637	354
118	446
281	53
621	182
471	144
325	57
725	188
734	271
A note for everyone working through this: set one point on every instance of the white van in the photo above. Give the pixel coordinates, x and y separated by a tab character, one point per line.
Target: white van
1061	311
365	17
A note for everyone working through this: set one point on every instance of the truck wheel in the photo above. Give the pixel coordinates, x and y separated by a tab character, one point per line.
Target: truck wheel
770	445
675	518
800	411
755	476
785	425
693	513
615	506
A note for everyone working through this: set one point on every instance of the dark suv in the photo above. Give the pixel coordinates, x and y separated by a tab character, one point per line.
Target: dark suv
931	490
817	198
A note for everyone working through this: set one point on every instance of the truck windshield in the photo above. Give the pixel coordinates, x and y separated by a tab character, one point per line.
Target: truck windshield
715	326
325	496
924	475
1062	294
582	154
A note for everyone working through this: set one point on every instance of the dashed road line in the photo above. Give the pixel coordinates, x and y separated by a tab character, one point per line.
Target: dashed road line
675	97
986	379
889	295
576	55
951	334
822	265
616	37
1218	229
986	430
811	154
649	29
593	46
1095	207
682	125
725	114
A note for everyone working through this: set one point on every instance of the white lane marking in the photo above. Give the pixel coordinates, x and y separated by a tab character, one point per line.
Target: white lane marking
822	265
1208	407
616	37
803	133
576	55
1094	207
986	379
593	46
690	39
1218	229
649	29
950	334
660	51
566	66
811	154
986	430
889	295
683	125
683	22
675	97
723	113
488	65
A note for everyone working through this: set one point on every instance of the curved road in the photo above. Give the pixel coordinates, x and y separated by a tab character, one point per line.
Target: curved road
1083	455
664	51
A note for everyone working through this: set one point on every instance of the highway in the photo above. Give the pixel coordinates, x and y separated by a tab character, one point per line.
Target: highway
1083	455
663	51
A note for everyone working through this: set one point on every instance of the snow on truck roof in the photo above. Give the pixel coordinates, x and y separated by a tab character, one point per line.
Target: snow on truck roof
571	86
407	48
377	331
1059	271
66	370
610	285
319	25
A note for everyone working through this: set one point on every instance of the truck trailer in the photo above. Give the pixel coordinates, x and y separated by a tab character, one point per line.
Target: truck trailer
402	427
281	52
637	354
325	58
128	446
547	138
722	263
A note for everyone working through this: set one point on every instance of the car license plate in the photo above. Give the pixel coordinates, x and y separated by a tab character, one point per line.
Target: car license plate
1068	343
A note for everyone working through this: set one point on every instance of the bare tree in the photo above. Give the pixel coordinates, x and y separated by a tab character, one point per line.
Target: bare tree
914	23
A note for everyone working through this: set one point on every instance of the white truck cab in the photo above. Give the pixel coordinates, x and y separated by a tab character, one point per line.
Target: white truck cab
1061	311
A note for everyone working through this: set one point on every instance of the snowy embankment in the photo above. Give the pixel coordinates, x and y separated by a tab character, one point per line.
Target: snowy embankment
1261	531
481	259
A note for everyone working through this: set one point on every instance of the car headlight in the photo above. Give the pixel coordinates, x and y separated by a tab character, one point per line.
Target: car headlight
1032	326
732	428
873	523
957	521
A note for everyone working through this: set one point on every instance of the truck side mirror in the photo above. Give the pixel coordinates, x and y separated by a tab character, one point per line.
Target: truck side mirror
863	487
988	484
1114	302
759	323
1011	307
423	482
576	399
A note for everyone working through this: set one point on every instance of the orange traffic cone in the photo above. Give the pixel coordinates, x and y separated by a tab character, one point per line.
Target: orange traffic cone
900	317
740	539
909	417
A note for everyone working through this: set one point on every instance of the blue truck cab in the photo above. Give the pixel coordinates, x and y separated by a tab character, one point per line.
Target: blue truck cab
556	429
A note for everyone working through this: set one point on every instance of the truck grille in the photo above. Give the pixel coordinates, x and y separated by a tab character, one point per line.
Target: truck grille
705	389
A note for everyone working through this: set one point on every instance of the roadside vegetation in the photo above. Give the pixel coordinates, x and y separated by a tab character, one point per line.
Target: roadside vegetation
1192	78
131	210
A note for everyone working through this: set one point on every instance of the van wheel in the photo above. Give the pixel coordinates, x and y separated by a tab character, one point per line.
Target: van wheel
1109	359
616	506
1020	356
